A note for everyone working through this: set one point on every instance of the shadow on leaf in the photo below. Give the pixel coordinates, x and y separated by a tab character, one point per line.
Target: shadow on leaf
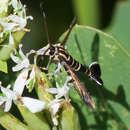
79	49
95	48
104	113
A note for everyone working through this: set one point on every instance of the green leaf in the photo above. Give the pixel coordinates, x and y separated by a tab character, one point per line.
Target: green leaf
120	24
9	122
3	66
86	45
35	121
69	119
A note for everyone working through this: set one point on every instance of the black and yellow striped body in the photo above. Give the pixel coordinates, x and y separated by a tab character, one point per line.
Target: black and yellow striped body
59	54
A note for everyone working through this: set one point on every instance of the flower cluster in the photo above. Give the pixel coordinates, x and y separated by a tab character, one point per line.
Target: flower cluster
59	91
15	21
15	95
27	78
8	95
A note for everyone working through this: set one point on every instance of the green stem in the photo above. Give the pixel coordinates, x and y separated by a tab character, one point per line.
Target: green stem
88	12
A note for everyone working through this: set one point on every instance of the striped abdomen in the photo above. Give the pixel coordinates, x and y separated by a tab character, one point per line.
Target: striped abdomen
61	55
75	65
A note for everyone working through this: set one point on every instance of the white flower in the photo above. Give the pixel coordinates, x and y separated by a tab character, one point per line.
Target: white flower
3	6
16	5
54	106
19	17
7	27
34	105
24	78
22	61
14	22
19	20
58	101
61	91
8	98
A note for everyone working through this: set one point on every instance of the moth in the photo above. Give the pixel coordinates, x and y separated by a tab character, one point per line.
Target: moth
59	54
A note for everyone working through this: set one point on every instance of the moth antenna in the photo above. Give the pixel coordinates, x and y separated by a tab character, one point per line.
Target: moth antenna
45	22
69	31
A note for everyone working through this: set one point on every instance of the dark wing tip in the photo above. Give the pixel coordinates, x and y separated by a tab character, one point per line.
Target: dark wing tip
95	69
95	73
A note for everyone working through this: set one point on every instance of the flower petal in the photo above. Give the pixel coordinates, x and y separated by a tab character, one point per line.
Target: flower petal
25	62
20	82
54	105
69	78
11	39
55	108
15	58
52	90
59	95
21	52
18	67
8	105
2	100
34	105
9	93
57	85
14	4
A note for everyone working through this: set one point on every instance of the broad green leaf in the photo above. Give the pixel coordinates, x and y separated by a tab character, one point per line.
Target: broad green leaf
3	66
86	45
120	24
9	122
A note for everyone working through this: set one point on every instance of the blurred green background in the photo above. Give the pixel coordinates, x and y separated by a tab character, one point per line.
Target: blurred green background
111	16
